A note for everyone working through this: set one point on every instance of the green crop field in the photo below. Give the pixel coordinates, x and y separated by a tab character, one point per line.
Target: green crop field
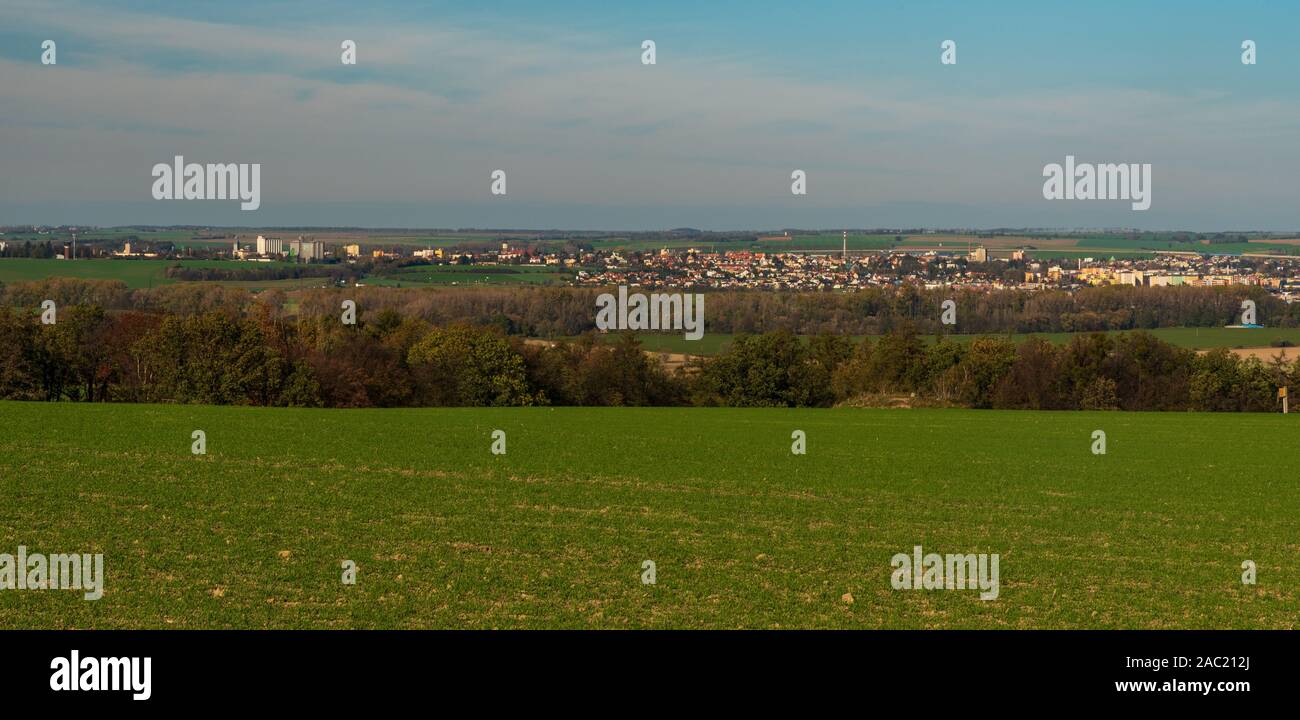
136	273
743	533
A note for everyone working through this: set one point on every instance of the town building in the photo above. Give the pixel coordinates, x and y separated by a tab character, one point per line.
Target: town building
269	246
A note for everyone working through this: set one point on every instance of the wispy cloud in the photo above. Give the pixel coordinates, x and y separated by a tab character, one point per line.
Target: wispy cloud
577	121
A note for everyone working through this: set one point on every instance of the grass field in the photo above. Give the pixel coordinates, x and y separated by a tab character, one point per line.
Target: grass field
140	273
554	533
136	273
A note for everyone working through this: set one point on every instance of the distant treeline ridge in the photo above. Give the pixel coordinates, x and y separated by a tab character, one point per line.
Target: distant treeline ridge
562	311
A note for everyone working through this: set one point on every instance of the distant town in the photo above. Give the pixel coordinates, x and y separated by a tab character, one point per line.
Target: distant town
932	269
788	260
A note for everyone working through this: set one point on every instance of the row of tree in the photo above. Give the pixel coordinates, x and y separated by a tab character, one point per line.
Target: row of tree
1125	371
262	357
551	312
563	312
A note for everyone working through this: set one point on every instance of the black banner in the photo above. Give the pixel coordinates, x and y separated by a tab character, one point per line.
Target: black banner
226	670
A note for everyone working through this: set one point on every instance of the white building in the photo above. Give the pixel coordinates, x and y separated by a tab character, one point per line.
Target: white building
271	246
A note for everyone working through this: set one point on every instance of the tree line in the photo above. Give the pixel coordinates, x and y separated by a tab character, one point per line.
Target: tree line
548	312
1096	371
263	356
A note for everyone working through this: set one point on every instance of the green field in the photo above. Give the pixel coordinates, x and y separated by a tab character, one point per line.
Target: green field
554	533
1194	338
136	273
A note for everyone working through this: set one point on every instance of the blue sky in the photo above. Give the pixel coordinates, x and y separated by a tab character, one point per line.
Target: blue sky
555	94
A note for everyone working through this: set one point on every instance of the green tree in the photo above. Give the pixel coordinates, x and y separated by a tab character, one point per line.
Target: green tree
982	368
463	365
769	370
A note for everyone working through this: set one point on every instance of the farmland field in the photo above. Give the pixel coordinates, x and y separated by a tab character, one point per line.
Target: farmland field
136	273
743	533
